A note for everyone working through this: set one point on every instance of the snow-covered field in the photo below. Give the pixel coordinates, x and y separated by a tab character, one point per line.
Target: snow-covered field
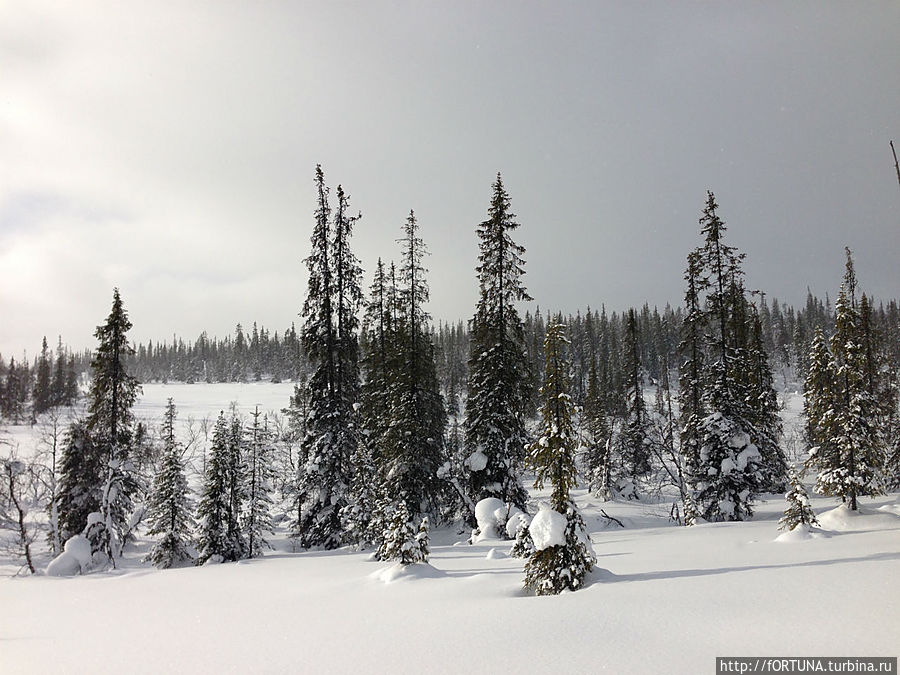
663	599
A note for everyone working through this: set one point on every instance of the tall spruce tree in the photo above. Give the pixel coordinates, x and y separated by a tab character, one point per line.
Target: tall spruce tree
43	393
168	506
692	365
378	340
634	439
331	344
558	567
725	465
413	443
109	423
499	388
257	467
845	419
218	514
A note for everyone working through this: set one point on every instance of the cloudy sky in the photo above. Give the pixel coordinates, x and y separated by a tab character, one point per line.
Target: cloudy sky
168	148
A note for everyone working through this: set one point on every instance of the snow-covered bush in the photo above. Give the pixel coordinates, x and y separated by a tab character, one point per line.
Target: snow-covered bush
401	540
524	546
798	511
563	553
496	519
730	475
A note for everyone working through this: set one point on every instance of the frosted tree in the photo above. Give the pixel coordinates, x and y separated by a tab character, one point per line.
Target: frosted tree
632	443
523	547
798	511
378	336
819	410
562	559
331	344
762	403
356	515
80	480
597	437
42	398
412	448
692	367
402	541
499	383
109	424
258	477
842	410
217	515
169	508
729	457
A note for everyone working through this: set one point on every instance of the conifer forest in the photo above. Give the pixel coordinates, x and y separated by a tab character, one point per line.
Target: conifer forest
374	486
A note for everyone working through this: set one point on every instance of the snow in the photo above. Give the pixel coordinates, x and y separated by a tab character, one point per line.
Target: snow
802	532
512	523
477	461
75	558
548	528
401	572
490	514
667	599
842	519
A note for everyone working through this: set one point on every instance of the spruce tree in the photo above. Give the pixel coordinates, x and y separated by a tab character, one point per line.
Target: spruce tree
110	422
798	511
331	345
168	506
12	399
219	532
633	441
597	438
692	366
256	516
499	380
72	392
552	456
413	444
43	394
727	411
356	515
80	480
856	436
401	540
763	406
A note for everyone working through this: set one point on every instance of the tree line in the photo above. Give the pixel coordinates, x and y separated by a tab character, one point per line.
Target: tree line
393	421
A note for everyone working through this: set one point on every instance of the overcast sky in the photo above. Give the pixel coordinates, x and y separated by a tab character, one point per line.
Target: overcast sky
169	149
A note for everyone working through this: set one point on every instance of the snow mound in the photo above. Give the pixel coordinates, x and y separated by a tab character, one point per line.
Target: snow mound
495	554
401	572
802	532
214	559
842	519
63	565
75	558
490	512
891	508
477	461
548	528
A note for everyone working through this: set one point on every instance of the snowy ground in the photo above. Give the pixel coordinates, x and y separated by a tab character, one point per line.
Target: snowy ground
663	599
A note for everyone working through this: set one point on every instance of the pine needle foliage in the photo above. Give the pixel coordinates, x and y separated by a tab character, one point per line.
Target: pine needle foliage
168	507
